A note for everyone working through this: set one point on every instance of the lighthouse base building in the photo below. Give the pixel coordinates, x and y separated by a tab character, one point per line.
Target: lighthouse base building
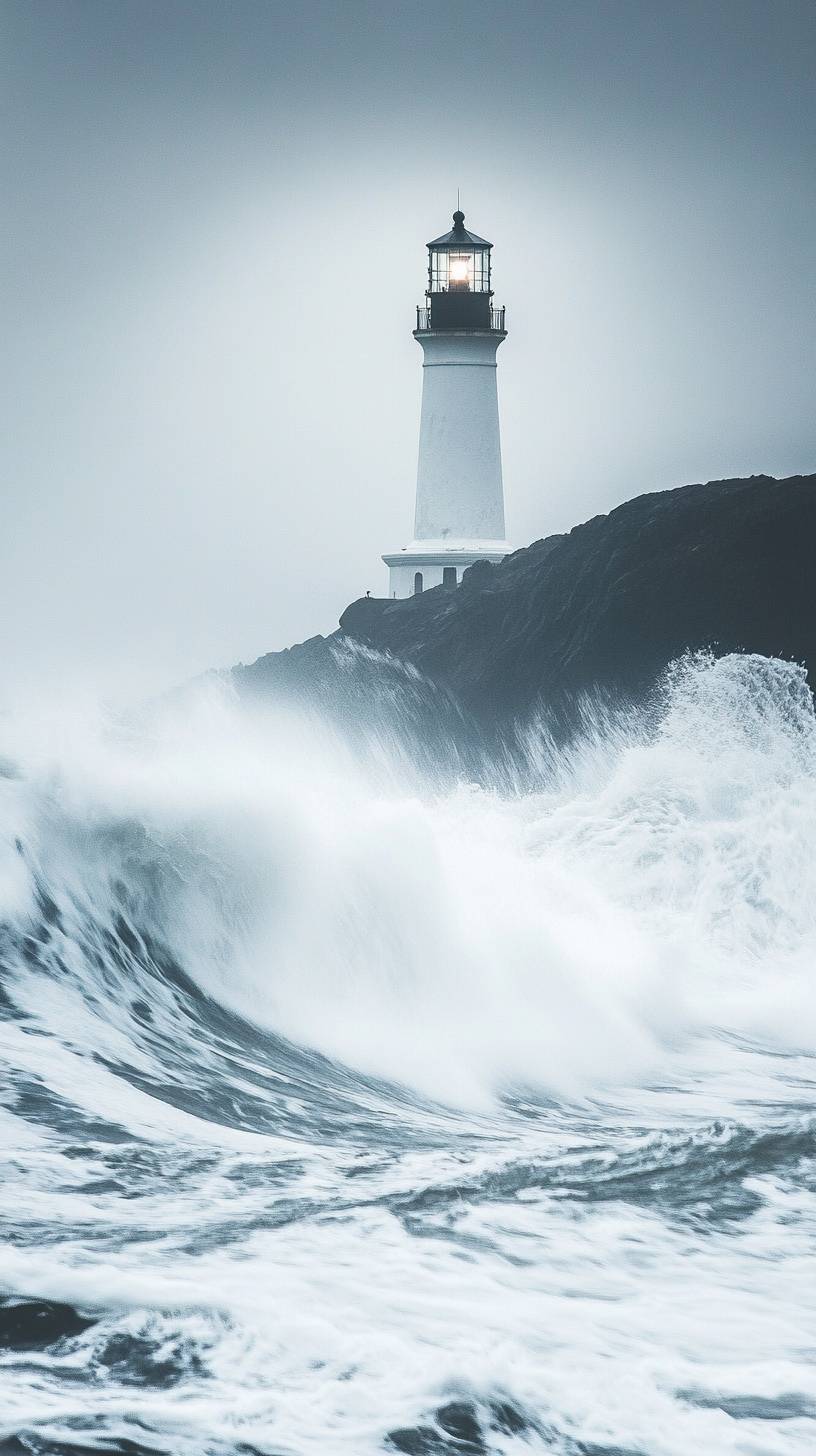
460	497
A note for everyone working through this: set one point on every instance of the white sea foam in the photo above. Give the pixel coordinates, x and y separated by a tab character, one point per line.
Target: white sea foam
462	941
627	945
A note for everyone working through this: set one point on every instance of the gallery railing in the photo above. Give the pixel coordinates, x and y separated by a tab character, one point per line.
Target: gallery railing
424	323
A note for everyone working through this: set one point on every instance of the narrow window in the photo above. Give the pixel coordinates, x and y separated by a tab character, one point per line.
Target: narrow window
449	577
417	583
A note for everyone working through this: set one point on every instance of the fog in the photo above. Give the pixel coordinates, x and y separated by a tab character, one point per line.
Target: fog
214	241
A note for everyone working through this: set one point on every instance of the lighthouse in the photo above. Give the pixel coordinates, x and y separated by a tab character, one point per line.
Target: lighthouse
459	515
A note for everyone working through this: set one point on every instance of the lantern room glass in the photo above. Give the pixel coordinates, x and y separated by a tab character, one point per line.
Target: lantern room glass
459	270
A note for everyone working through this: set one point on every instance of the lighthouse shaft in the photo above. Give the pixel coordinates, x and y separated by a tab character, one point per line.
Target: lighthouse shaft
460	496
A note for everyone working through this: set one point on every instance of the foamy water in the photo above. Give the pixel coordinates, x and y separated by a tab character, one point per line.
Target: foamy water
349	1111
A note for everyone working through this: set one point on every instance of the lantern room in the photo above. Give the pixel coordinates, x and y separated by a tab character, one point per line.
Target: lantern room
459	292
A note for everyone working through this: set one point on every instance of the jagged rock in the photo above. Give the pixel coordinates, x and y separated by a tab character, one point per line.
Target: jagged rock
728	565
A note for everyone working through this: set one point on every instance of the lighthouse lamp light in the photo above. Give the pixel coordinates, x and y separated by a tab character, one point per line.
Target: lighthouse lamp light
461	271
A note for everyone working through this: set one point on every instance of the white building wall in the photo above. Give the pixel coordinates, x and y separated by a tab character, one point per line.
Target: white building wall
404	582
402	577
459	477
404	565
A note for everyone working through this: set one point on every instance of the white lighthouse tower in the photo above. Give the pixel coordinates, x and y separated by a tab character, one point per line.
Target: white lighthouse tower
460	498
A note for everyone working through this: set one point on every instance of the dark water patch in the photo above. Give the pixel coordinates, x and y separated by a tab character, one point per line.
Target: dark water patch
507	1418
32	1443
140	1170
8	1010
31	946
41	1234
427	1441
43	1107
126	934
459	1420
789	1407
294	1091
224	1105
471	1428
437	1441
461	1428
591	1448
28	1443
702	1176
370	1169
237	1230
139	1360
35	1324
9	947
147	1167
249	1175
699	1177
47	907
94	1185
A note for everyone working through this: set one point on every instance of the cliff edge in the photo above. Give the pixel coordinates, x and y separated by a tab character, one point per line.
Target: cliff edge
729	565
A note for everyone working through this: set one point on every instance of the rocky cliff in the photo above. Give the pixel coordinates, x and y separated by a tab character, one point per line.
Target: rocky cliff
728	565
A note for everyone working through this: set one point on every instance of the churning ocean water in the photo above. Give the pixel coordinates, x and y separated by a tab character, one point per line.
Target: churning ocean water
348	1112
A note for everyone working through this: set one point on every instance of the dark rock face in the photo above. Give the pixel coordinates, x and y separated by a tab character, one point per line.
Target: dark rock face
728	565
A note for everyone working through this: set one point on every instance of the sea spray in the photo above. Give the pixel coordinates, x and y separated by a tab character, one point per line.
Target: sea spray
356	1110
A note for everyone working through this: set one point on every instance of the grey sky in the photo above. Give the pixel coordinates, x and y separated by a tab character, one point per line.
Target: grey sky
215	218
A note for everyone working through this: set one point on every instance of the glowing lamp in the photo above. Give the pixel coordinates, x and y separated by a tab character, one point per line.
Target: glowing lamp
461	271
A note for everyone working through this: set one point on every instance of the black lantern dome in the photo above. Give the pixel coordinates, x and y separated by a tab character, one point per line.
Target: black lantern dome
459	290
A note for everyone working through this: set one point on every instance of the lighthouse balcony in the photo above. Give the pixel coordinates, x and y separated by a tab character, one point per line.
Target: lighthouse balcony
460	311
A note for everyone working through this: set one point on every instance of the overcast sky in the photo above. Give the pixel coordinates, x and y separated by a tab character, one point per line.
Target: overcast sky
215	217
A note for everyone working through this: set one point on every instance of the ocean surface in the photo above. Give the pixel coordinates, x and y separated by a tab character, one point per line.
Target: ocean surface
350	1110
